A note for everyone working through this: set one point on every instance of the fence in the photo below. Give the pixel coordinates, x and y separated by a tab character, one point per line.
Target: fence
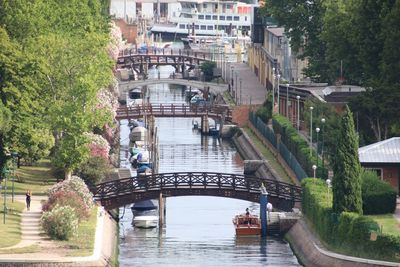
269	134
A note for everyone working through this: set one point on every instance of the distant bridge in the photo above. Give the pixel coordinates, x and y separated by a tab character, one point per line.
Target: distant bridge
214	88
118	193
174	110
180	59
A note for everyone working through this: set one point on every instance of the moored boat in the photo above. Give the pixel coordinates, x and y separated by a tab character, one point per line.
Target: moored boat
247	224
145	221
145	214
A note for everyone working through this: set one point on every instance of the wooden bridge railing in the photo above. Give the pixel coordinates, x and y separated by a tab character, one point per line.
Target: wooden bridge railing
174	110
188	183
168	51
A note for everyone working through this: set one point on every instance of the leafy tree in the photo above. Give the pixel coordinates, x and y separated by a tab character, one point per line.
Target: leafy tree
347	169
208	69
303	23
94	170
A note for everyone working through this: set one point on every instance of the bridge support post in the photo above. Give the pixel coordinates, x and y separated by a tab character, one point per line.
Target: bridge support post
161	210
263	210
205	128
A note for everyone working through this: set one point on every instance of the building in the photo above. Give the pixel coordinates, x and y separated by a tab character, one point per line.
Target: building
384	158
275	56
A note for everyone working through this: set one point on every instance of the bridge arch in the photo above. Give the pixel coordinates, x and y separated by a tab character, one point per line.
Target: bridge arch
118	193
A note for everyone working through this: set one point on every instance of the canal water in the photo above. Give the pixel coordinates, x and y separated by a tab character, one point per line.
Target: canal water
199	229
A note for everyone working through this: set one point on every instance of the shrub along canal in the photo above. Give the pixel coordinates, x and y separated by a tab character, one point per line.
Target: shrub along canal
199	229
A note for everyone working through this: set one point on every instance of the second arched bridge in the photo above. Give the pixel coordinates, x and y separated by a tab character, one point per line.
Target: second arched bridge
117	193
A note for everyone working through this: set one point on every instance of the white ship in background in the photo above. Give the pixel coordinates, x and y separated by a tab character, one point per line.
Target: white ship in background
207	17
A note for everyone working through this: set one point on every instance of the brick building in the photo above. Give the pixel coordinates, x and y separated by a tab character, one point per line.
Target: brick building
384	158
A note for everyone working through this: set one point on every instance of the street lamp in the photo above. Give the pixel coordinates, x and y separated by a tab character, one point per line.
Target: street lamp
298	113
322	148
240	87
5	175
317	130
287	101
328	183
14	156
273	89
314	167
279	77
236	87
311	109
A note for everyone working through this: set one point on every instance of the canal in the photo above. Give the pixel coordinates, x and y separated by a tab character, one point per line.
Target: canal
199	229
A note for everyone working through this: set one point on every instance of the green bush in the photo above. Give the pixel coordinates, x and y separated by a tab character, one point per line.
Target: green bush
264	114
298	146
94	170
60	223
377	195
349	230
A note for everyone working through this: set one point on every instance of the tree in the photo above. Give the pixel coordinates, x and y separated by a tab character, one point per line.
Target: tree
346	184
303	23
208	69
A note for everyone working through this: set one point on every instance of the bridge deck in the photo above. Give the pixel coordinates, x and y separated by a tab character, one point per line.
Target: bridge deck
121	192
173	110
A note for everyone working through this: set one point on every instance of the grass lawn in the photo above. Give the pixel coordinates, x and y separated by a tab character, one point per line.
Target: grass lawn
83	243
37	178
10	232
28	249
269	156
388	223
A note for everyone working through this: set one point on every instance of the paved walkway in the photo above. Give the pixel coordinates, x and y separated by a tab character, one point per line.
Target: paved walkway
51	251
251	91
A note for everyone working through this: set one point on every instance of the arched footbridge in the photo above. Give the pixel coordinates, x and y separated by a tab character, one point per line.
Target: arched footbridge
174	110
118	193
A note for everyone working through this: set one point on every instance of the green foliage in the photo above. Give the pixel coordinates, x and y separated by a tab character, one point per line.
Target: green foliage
347	169
60	223
378	197
297	145
351	230
208	69
94	170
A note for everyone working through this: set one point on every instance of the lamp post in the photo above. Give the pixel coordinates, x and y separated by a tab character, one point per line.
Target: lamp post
5	171
240	90
311	109
273	89
14	159
298	113
236	87
317	130
287	101
322	148
314	167
279	77
328	183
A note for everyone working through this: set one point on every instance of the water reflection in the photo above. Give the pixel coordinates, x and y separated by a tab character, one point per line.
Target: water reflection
199	229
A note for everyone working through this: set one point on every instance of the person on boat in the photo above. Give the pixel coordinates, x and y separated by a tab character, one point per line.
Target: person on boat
269	210
247	212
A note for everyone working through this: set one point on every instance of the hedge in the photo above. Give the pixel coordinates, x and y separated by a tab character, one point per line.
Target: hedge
348	232
377	195
298	146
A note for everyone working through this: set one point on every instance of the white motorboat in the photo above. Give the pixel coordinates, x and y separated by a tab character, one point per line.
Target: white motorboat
149	221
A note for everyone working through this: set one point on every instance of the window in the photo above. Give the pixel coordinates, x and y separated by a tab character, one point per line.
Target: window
215	17
229	18
210	27
228	6
222	17
245	18
196	27
236	18
201	16
181	26
208	17
204	5
203	27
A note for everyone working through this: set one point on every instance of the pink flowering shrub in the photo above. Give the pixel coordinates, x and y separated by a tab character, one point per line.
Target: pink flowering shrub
68	198
77	185
116	43
98	146
60	223
106	100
